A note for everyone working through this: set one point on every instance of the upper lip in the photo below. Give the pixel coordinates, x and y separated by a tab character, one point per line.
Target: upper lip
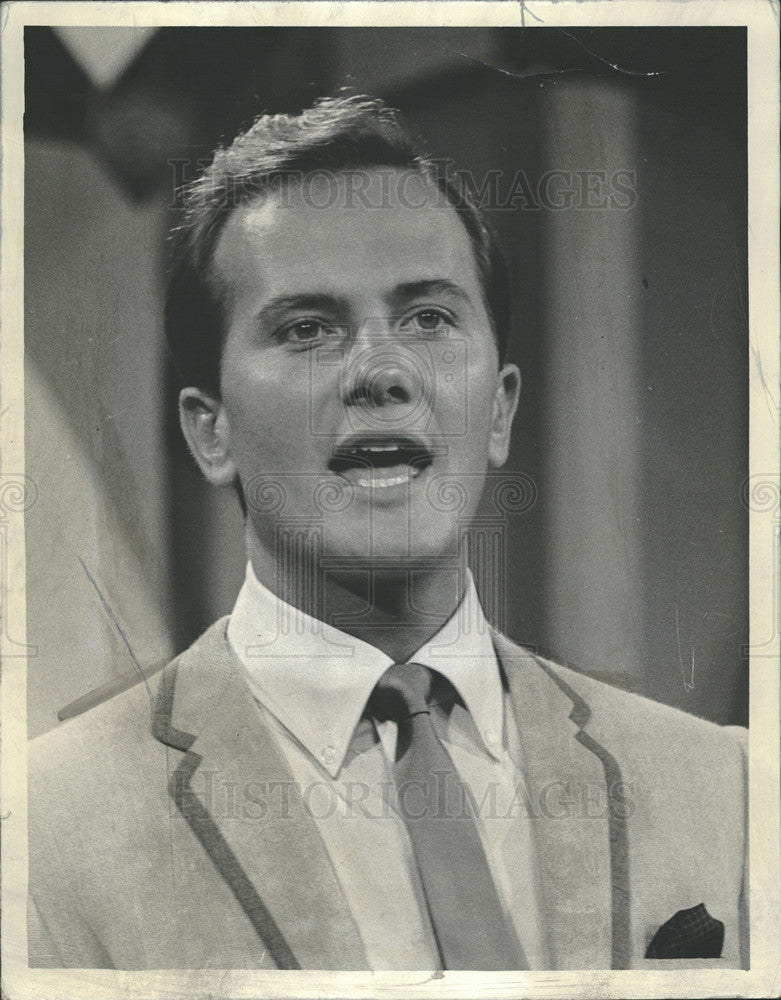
359	449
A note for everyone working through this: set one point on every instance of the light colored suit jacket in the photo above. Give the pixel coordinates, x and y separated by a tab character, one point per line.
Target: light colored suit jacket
158	838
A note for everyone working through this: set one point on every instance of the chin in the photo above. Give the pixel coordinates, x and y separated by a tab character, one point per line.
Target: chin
393	550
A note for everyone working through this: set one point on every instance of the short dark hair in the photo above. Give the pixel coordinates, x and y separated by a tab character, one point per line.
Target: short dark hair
337	134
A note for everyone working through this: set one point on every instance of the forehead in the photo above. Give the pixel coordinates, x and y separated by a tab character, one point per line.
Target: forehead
346	234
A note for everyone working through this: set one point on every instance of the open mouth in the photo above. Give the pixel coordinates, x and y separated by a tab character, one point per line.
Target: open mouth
379	463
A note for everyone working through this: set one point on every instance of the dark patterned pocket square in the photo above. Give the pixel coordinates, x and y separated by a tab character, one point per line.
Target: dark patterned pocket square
690	933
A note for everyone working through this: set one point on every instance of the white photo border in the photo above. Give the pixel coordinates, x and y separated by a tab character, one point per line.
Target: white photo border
761	18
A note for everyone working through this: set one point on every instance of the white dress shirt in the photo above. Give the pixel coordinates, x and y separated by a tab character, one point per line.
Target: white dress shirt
315	680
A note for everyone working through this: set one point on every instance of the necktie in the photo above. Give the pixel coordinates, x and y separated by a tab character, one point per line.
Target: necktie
470	927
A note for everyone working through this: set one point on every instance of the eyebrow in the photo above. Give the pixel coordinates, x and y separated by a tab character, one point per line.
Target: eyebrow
431	286
272	310
396	298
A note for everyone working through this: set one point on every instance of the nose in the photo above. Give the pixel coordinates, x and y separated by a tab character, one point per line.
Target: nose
381	372
380	381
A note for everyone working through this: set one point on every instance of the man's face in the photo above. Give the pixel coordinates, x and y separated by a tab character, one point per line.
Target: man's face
360	386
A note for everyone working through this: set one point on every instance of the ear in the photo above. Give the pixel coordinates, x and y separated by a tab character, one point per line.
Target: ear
207	432
508	392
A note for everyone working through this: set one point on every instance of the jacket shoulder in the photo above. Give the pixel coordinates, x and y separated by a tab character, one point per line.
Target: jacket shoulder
119	729
639	727
614	707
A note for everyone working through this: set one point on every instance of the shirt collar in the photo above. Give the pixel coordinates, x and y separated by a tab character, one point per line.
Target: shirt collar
316	679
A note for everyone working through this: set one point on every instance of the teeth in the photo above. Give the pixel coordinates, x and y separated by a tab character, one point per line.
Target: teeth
382	484
375	449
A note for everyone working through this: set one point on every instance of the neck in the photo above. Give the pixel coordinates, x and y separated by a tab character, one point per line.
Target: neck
396	610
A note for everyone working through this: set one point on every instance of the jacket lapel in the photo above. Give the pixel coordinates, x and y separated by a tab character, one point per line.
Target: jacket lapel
238	795
579	824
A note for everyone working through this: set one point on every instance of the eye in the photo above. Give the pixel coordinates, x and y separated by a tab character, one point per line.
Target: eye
309	331
429	321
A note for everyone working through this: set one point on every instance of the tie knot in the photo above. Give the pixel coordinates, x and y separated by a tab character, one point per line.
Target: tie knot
403	690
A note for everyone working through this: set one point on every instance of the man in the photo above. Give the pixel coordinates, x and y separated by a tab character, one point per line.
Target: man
353	770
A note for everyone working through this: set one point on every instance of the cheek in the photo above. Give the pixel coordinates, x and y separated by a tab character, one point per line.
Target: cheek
266	415
464	402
